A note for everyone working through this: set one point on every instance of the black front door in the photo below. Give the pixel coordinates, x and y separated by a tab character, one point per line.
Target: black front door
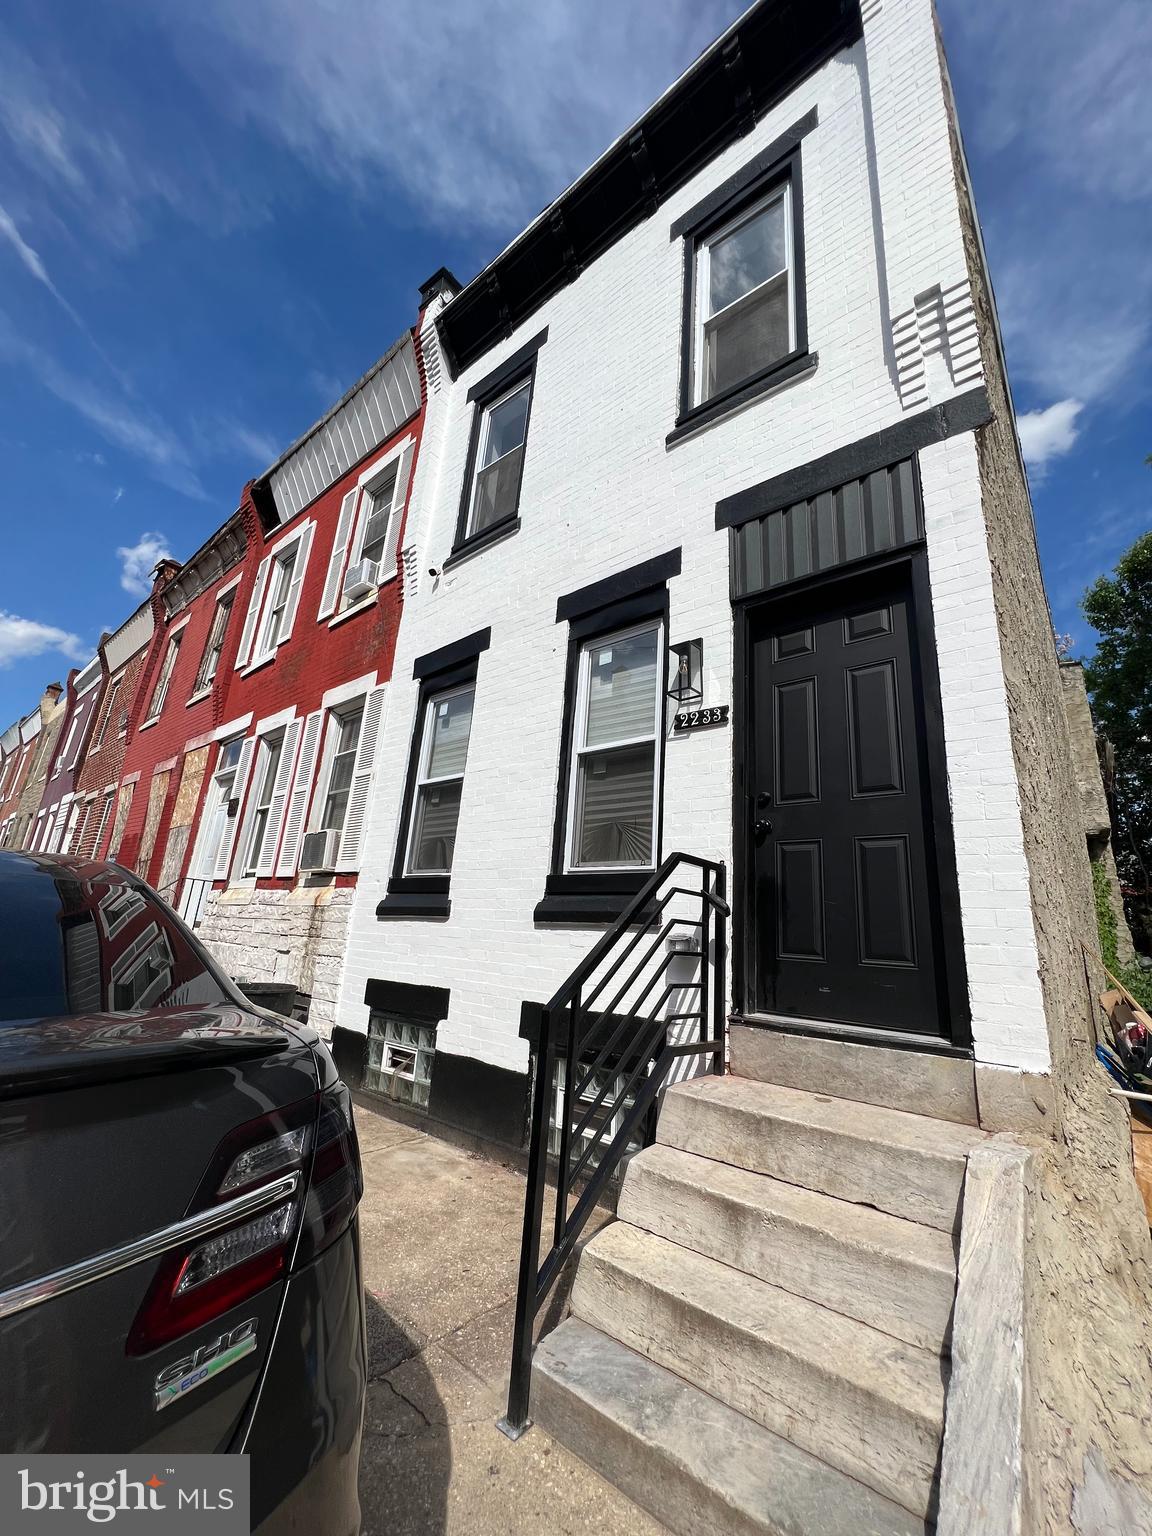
844	909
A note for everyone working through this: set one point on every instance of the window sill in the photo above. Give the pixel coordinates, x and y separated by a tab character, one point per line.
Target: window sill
494	535
146	725
205	693
360	607
588	899
414	904
796	366
254	666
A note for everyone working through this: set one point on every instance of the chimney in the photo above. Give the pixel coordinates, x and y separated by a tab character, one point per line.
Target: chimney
163	572
51	695
440	283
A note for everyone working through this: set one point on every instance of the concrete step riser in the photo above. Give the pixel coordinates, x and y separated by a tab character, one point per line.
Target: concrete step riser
943	1087
906	1297
693	1462
918	1184
866	1434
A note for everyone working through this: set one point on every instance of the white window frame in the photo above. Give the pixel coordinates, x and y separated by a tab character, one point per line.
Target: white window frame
580	749
522	384
422	780
214	818
333	718
163	685
368	481
203	685
781	192
256	650
114	686
259	776
282	571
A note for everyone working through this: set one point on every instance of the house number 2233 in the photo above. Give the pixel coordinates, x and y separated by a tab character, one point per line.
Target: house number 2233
693	719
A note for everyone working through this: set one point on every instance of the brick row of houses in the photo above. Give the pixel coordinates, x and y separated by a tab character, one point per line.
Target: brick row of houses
729	423
221	741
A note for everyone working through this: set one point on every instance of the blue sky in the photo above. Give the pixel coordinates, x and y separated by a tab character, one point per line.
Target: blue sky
214	218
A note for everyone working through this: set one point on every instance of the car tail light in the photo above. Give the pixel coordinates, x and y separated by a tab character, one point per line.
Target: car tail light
337	1183
313	1140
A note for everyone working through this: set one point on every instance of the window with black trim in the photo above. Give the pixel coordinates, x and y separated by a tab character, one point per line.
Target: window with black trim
490	499
606	839
745	323
433	793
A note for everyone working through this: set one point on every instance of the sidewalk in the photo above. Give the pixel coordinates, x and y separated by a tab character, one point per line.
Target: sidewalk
441	1234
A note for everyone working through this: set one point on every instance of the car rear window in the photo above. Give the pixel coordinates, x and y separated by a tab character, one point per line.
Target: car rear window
70	944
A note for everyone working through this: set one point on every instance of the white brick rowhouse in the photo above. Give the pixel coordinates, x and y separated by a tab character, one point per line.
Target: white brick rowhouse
890	389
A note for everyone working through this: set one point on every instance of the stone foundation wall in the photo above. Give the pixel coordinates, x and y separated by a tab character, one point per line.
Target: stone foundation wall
295	936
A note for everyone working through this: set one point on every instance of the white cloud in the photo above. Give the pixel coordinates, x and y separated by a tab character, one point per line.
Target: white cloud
1046	434
138	560
117	494
478	131
22	639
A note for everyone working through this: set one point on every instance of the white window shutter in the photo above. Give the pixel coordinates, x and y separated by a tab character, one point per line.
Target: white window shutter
267	859
388	558
294	590
356	816
239	785
336	560
251	616
301	789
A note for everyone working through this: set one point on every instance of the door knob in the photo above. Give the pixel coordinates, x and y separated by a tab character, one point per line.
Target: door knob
763	827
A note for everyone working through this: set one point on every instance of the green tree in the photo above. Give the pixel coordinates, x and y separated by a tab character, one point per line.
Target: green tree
1119	678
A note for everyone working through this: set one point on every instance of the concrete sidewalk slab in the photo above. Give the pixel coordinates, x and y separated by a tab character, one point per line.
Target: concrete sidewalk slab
440	1229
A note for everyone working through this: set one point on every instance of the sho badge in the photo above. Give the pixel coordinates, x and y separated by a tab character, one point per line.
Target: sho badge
183	1376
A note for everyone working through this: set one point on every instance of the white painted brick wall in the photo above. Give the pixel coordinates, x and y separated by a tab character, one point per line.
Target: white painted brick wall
601	492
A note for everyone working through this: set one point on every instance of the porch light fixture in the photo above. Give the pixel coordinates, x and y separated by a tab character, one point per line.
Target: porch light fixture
686	672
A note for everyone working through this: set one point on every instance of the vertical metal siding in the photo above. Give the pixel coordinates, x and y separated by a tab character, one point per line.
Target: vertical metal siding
863	517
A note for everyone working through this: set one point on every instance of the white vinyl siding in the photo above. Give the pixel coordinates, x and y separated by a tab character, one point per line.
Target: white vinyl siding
745	304
614	788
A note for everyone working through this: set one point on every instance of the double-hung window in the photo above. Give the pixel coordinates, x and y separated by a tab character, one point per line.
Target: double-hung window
499	460
614	790
439	782
109	708
502	402
745	320
266	770
272	624
343	740
210	661
745	315
164	680
377	515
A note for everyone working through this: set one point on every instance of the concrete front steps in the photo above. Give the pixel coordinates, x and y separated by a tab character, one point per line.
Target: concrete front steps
760	1343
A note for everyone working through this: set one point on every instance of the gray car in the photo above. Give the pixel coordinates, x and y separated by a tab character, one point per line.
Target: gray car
179	1180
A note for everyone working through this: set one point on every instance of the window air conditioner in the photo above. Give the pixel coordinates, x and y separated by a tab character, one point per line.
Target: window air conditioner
360	580
319	851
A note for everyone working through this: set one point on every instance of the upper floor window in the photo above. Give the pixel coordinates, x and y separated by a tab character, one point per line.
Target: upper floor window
490	499
164	680
496	482
613	794
439	782
363	555
210	661
744	296
275	597
109	707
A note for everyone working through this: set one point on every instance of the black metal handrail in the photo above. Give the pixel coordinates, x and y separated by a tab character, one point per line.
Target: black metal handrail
639	1041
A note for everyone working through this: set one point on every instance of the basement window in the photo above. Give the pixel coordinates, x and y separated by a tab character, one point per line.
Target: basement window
400	1056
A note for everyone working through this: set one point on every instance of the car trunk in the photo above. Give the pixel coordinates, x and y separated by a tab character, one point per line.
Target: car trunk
113	1128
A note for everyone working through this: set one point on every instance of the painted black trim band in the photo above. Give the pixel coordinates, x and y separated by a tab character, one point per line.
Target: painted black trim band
638	578
408	999
509	370
764	383
401	904
449	655
741	181
479	541
963	413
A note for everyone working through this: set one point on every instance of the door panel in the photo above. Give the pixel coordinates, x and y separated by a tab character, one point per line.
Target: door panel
844	912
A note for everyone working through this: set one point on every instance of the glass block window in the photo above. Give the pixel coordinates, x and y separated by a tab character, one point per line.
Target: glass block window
400	1059
610	1113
